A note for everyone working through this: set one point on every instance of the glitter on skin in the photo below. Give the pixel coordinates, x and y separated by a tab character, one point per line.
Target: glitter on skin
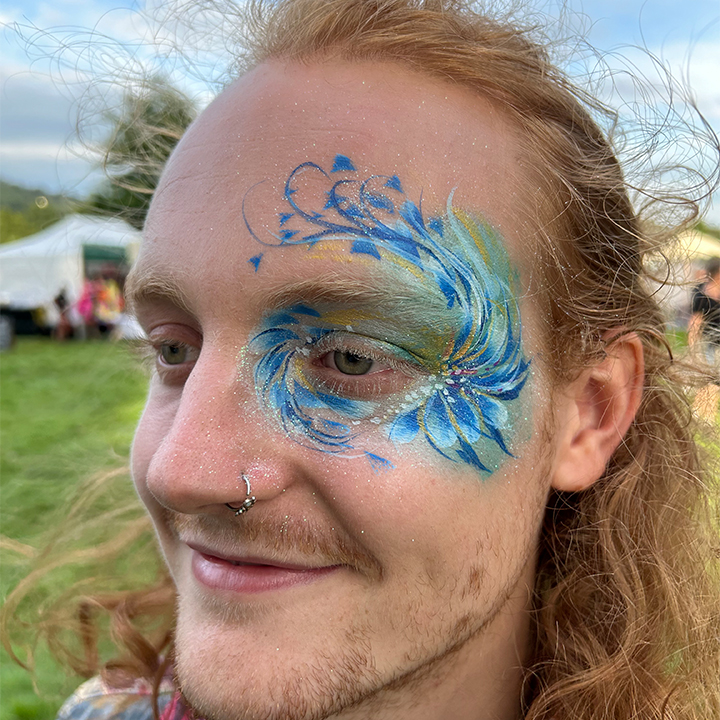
465	372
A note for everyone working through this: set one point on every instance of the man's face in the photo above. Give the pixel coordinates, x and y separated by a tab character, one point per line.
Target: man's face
331	278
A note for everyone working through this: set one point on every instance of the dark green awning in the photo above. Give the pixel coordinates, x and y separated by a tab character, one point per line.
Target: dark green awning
106	253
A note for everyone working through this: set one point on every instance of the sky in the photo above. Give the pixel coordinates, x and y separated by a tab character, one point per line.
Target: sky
43	85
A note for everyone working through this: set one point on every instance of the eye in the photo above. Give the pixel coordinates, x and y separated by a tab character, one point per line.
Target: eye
175	360
349	363
176	353
175	349
356	367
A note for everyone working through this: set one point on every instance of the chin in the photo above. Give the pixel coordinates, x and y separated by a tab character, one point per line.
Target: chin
227	672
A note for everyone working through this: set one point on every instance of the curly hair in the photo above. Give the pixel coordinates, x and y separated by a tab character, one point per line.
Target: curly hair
627	598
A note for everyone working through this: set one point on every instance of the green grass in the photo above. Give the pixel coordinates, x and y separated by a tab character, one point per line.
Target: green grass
67	411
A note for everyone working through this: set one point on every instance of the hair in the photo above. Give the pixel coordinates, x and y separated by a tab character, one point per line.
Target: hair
627	599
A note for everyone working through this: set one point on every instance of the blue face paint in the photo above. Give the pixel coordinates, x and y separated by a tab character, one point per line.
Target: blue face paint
452	336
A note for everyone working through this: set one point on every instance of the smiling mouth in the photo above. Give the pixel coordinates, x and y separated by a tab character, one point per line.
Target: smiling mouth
258	563
252	575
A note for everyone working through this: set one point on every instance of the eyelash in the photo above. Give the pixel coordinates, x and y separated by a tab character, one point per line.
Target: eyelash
149	350
371	385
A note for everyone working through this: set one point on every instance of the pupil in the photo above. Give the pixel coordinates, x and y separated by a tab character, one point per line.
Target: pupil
351	364
173	354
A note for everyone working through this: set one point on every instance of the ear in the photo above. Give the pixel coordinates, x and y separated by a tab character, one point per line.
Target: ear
595	412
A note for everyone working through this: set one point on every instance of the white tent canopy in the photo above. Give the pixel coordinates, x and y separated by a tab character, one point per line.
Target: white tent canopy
34	270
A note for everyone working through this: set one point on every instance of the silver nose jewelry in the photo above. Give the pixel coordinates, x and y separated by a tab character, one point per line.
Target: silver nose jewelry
247	503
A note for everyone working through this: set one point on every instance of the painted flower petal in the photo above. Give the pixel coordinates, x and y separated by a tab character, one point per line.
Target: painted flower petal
465	452
269	366
268	339
363	247
301	309
378	463
410	212
277	395
306	397
493	411
437	423
466	418
381	202
345	406
404	428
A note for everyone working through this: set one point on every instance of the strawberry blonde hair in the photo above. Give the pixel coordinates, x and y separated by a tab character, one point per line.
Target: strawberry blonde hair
627	598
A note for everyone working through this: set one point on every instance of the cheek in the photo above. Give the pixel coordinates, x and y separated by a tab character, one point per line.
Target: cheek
460	519
445	533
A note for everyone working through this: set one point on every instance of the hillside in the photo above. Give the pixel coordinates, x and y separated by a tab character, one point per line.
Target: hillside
15	197
25	211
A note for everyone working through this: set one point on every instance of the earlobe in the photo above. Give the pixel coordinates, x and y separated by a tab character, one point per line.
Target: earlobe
595	412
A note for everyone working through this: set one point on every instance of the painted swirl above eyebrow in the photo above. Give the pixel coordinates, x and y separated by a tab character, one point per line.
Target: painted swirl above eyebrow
464	408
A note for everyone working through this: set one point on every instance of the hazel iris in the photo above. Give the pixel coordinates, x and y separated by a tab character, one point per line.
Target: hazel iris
351	364
174	354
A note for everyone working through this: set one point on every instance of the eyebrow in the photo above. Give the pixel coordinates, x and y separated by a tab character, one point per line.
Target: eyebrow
145	286
329	289
405	302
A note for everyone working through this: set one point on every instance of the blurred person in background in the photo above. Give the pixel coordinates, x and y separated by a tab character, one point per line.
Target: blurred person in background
704	334
64	328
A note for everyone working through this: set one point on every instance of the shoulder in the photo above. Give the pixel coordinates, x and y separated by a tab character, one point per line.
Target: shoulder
95	700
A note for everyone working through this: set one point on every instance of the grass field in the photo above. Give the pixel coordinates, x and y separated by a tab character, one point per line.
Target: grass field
66	411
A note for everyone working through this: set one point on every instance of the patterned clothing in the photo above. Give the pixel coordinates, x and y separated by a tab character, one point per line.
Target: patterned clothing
95	700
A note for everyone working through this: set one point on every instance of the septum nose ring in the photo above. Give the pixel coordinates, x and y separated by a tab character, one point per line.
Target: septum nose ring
247	503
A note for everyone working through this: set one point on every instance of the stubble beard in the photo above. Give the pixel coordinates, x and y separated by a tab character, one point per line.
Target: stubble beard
343	679
317	688
339	681
338	676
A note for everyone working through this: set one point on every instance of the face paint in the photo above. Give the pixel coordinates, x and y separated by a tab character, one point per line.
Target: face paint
446	334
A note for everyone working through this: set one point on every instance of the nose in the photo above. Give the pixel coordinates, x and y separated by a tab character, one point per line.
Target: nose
209	444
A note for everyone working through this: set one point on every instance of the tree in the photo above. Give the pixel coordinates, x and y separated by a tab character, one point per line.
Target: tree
703	227
144	132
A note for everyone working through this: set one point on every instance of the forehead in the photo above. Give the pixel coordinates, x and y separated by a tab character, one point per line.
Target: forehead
437	137
407	263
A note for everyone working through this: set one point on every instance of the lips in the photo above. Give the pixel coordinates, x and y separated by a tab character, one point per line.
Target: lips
250	575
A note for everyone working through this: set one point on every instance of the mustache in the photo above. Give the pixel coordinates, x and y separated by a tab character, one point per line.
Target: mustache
278	538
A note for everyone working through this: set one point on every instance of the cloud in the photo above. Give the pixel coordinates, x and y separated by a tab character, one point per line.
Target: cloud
34	110
700	65
97	42
38	145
